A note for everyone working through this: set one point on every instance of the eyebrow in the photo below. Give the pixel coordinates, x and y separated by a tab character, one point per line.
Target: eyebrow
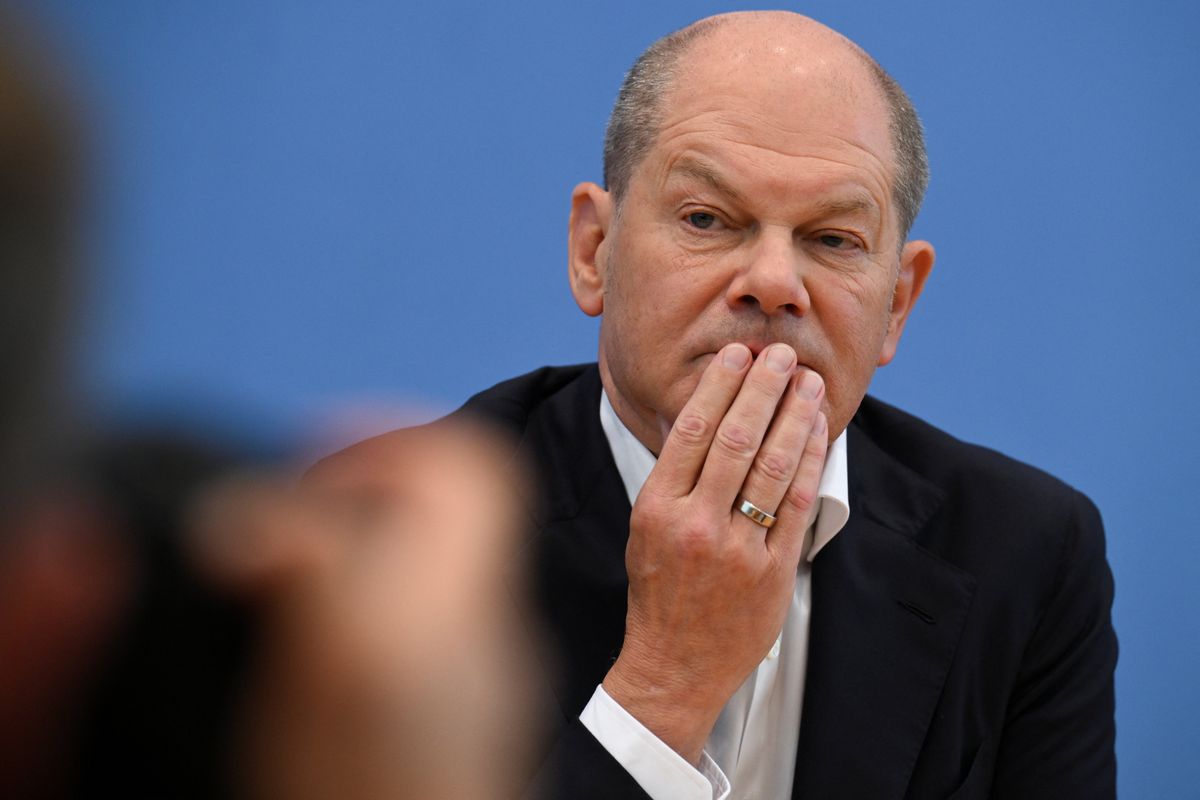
698	170
850	205
691	168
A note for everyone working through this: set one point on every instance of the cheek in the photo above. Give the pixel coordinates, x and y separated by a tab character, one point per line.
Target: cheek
855	310
856	323
646	346
682	388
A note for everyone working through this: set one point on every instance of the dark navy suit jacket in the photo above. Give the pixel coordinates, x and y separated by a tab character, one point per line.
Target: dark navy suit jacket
961	643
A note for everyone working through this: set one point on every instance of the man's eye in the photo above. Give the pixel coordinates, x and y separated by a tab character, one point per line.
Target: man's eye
836	242
701	220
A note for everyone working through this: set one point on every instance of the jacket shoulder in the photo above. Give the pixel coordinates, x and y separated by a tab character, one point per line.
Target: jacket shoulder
950	463
509	404
994	516
505	408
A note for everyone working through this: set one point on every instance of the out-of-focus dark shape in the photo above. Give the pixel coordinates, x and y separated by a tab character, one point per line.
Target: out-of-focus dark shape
63	568
396	661
64	579
157	715
175	624
40	185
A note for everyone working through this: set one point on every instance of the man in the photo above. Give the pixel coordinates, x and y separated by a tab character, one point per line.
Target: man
760	582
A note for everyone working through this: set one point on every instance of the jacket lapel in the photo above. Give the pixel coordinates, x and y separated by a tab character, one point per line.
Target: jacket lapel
886	614
886	620
581	525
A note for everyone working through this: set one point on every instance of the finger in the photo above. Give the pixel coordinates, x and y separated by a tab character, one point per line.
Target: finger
800	500
252	534
741	432
783	450
687	445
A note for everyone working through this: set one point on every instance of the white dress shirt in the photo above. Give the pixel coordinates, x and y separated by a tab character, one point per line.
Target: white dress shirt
751	752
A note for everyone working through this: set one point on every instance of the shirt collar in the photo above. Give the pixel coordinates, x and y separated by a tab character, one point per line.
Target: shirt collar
634	463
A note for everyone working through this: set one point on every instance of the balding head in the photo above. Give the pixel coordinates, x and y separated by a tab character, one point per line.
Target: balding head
755	195
729	41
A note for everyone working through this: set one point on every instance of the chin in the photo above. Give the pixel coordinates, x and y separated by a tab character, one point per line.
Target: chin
682	390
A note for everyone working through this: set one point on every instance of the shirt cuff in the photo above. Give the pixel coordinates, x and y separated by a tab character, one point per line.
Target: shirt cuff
659	770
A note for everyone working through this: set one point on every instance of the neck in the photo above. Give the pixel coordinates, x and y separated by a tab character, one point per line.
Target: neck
645	424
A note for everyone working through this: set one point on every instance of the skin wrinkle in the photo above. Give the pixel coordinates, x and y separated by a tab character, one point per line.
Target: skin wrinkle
827	78
879	191
691	166
733	126
781	184
826	58
825	211
694	168
788	148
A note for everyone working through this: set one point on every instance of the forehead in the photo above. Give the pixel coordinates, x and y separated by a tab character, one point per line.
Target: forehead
793	98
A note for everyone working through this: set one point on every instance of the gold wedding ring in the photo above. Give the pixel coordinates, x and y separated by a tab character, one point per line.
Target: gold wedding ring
755	513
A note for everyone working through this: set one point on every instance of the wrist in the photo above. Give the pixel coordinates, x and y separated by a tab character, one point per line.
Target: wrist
670	711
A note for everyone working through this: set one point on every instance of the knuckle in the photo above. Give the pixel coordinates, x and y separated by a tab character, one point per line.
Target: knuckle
801	497
775	466
651	512
642	516
696	541
691	428
736	438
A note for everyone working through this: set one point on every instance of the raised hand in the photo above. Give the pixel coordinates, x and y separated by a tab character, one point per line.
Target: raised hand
709	587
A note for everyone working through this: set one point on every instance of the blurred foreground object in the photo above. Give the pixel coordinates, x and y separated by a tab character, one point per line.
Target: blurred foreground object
172	627
393	659
40	185
63	571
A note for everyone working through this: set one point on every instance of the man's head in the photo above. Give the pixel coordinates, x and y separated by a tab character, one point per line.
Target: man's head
762	172
637	114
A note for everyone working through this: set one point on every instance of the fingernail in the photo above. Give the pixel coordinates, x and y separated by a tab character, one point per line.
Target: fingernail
810	385
736	356
819	425
780	357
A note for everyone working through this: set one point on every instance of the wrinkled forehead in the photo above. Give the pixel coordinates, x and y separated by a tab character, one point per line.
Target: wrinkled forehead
790	83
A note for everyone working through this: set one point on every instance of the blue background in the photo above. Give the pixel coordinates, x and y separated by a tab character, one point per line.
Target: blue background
304	206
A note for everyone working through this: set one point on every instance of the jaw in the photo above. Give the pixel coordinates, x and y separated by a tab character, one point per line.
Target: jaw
642	422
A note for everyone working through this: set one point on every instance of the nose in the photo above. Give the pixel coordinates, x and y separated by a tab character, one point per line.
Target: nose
772	280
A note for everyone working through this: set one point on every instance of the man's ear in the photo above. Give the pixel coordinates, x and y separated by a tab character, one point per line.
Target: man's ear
916	261
591	215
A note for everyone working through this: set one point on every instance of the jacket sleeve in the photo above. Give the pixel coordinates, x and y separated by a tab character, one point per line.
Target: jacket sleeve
1059	732
579	768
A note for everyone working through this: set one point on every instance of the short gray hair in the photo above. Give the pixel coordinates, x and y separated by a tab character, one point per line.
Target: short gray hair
634	123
